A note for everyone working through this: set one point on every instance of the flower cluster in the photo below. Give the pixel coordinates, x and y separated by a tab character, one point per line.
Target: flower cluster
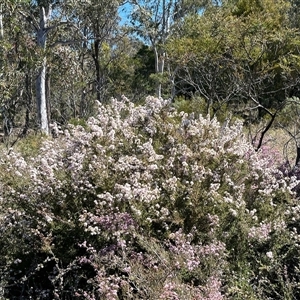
141	202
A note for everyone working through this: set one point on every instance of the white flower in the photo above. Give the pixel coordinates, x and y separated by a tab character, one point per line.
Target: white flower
233	212
17	261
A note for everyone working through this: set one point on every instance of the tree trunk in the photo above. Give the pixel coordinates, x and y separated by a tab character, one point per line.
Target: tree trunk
159	68
82	106
1	24
298	156
160	55
262	135
41	99
98	70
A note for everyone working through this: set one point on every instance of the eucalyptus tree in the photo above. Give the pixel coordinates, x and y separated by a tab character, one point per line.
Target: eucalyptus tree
42	17
154	21
97	22
52	28
42	28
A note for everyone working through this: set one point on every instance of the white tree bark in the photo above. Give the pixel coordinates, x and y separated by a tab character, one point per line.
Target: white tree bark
41	99
152	18
159	68
1	24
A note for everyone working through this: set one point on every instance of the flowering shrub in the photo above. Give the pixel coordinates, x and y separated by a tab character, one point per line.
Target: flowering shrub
145	202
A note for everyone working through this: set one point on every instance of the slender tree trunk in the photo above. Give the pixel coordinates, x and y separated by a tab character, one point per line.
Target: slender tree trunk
158	84
160	54
98	70
41	98
298	156
48	94
262	135
159	69
82	106
1	24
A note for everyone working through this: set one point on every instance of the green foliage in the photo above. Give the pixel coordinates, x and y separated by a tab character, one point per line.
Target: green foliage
144	62
194	105
30	145
241	54
78	122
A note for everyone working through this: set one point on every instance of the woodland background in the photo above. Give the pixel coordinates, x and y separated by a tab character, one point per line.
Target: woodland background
234	58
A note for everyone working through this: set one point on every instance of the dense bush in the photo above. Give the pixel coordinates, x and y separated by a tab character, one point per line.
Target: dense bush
145	202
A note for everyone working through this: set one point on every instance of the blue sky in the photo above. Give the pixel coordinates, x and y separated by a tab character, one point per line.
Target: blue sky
124	12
